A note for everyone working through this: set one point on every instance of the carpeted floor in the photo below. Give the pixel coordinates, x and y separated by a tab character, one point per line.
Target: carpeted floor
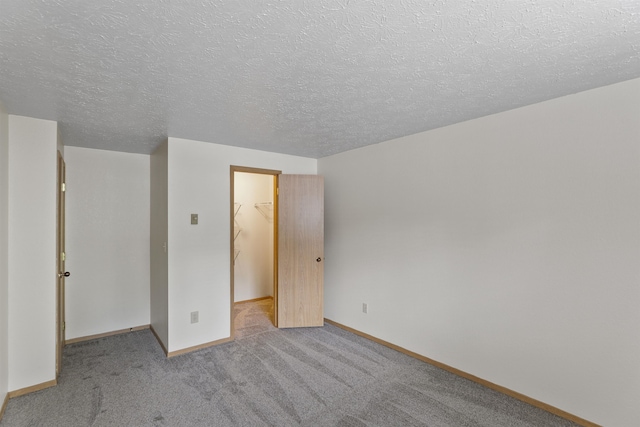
311	377
253	317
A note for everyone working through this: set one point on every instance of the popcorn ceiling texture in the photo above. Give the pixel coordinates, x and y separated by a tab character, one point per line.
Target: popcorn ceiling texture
309	78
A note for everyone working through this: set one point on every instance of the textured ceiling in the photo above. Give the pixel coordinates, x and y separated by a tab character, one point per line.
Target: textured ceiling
304	77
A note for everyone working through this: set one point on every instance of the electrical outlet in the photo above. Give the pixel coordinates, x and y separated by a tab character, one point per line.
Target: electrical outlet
194	219
365	307
194	317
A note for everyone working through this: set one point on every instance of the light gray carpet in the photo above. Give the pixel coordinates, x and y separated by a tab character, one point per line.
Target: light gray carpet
311	377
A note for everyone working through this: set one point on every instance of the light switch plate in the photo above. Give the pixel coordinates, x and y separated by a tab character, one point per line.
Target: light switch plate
194	219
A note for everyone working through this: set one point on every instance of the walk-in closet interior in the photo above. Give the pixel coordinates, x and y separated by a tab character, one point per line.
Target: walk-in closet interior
253	246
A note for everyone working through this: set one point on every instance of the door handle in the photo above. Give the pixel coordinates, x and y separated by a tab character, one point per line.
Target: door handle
65	274
318	259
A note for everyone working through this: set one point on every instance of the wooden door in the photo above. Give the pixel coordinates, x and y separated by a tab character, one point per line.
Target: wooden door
60	256
300	240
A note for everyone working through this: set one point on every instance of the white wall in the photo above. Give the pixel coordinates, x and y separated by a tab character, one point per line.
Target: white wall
199	255
107	246
159	261
4	253
253	275
506	247
32	251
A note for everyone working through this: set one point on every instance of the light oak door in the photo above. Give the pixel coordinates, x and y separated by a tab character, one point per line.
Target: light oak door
300	240
60	257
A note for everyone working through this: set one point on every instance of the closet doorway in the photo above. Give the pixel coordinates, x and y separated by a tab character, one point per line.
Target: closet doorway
295	218
253	250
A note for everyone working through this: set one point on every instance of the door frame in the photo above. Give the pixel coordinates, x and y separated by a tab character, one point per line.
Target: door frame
60	260
275	173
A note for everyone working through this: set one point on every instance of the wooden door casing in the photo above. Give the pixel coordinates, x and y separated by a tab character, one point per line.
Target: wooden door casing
60	256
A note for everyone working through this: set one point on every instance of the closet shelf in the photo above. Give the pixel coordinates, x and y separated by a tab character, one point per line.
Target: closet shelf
236	229
266	209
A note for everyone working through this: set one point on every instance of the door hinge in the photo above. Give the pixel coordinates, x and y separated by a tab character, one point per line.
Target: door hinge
64	326
277	191
64	187
64	256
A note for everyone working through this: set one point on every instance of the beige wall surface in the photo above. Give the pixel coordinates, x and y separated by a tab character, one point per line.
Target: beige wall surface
107	241
505	246
253	274
32	251
159	292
